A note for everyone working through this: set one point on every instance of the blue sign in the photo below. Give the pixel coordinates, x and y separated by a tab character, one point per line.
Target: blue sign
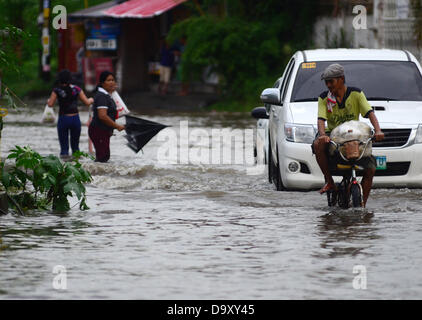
103	29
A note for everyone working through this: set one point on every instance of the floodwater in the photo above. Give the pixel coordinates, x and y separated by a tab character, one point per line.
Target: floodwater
159	230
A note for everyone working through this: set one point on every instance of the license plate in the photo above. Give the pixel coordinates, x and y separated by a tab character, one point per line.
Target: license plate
381	162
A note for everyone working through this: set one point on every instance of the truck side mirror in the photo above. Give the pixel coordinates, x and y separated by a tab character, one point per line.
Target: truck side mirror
271	96
260	113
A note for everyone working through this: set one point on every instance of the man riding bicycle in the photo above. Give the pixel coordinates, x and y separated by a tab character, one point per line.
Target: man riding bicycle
336	106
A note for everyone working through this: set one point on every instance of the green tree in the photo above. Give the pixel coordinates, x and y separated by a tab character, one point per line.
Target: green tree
246	42
23	14
9	35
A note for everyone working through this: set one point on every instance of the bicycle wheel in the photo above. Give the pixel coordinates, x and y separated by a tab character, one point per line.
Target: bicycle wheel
343	196
355	191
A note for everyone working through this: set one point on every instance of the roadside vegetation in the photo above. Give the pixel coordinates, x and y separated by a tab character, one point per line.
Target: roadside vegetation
24	80
246	43
34	182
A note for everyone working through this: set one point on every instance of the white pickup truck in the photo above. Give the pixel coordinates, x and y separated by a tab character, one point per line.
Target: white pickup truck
392	83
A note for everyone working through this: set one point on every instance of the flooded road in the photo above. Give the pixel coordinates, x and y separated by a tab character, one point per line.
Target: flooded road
203	231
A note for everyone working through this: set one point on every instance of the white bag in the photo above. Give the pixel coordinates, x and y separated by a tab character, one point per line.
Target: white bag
48	116
121	106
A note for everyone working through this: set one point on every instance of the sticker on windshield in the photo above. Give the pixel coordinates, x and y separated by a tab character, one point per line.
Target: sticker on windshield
309	65
3	112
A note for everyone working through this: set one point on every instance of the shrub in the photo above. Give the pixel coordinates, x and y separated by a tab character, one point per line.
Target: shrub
38	182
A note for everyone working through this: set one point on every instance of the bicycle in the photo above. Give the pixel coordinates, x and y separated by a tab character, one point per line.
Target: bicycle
350	151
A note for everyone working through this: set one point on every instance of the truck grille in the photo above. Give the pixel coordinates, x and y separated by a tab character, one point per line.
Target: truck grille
393	138
393	169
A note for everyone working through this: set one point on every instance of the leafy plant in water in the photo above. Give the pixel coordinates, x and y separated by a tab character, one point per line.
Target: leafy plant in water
38	182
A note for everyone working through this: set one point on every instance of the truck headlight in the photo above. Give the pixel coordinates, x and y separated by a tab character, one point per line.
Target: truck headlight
418	138
299	133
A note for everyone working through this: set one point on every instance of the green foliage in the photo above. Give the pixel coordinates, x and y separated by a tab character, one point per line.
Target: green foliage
247	43
23	14
20	62
38	182
238	51
9	36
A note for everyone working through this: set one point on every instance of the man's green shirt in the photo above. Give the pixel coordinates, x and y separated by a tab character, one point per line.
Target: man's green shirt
353	104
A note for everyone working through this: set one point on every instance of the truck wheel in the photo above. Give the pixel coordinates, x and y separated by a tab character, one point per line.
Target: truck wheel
270	165
279	181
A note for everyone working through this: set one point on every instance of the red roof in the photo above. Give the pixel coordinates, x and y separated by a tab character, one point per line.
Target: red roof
141	8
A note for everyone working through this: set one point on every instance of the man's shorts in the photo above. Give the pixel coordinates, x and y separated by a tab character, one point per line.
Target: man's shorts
333	160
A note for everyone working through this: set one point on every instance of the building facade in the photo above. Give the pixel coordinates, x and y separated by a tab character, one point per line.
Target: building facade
120	36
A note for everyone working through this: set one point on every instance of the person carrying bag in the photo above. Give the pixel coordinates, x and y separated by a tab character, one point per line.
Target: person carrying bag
68	122
104	115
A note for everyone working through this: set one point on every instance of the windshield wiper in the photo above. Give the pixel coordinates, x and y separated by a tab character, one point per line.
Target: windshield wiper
305	100
380	98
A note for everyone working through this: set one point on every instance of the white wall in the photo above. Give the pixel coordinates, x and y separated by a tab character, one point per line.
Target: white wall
393	29
362	38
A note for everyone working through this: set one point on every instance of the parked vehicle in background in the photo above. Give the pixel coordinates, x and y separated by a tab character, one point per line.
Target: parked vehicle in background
261	136
392	83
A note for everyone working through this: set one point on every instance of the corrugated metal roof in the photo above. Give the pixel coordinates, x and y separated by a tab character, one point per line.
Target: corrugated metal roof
97	11
142	8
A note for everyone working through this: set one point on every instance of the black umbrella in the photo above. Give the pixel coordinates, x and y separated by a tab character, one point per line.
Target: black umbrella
140	131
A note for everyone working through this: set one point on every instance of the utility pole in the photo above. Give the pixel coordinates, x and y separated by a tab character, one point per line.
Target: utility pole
44	23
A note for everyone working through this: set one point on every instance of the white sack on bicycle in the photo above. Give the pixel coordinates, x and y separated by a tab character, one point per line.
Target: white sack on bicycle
352	130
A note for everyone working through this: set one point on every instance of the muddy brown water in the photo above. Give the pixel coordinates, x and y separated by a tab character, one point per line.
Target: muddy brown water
203	231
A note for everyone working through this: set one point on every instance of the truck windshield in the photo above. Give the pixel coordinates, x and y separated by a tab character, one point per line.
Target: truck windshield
379	80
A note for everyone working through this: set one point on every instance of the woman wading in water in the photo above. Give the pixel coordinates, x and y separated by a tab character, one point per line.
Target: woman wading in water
104	115
69	122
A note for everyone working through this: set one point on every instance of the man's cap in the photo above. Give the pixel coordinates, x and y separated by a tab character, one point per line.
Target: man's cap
334	70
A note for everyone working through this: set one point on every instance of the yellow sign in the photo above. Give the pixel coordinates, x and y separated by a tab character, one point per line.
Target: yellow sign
309	65
3	112
79	33
46	12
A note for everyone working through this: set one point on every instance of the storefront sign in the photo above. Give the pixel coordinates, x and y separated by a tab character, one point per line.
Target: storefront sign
101	44
102	34
92	70
103	29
